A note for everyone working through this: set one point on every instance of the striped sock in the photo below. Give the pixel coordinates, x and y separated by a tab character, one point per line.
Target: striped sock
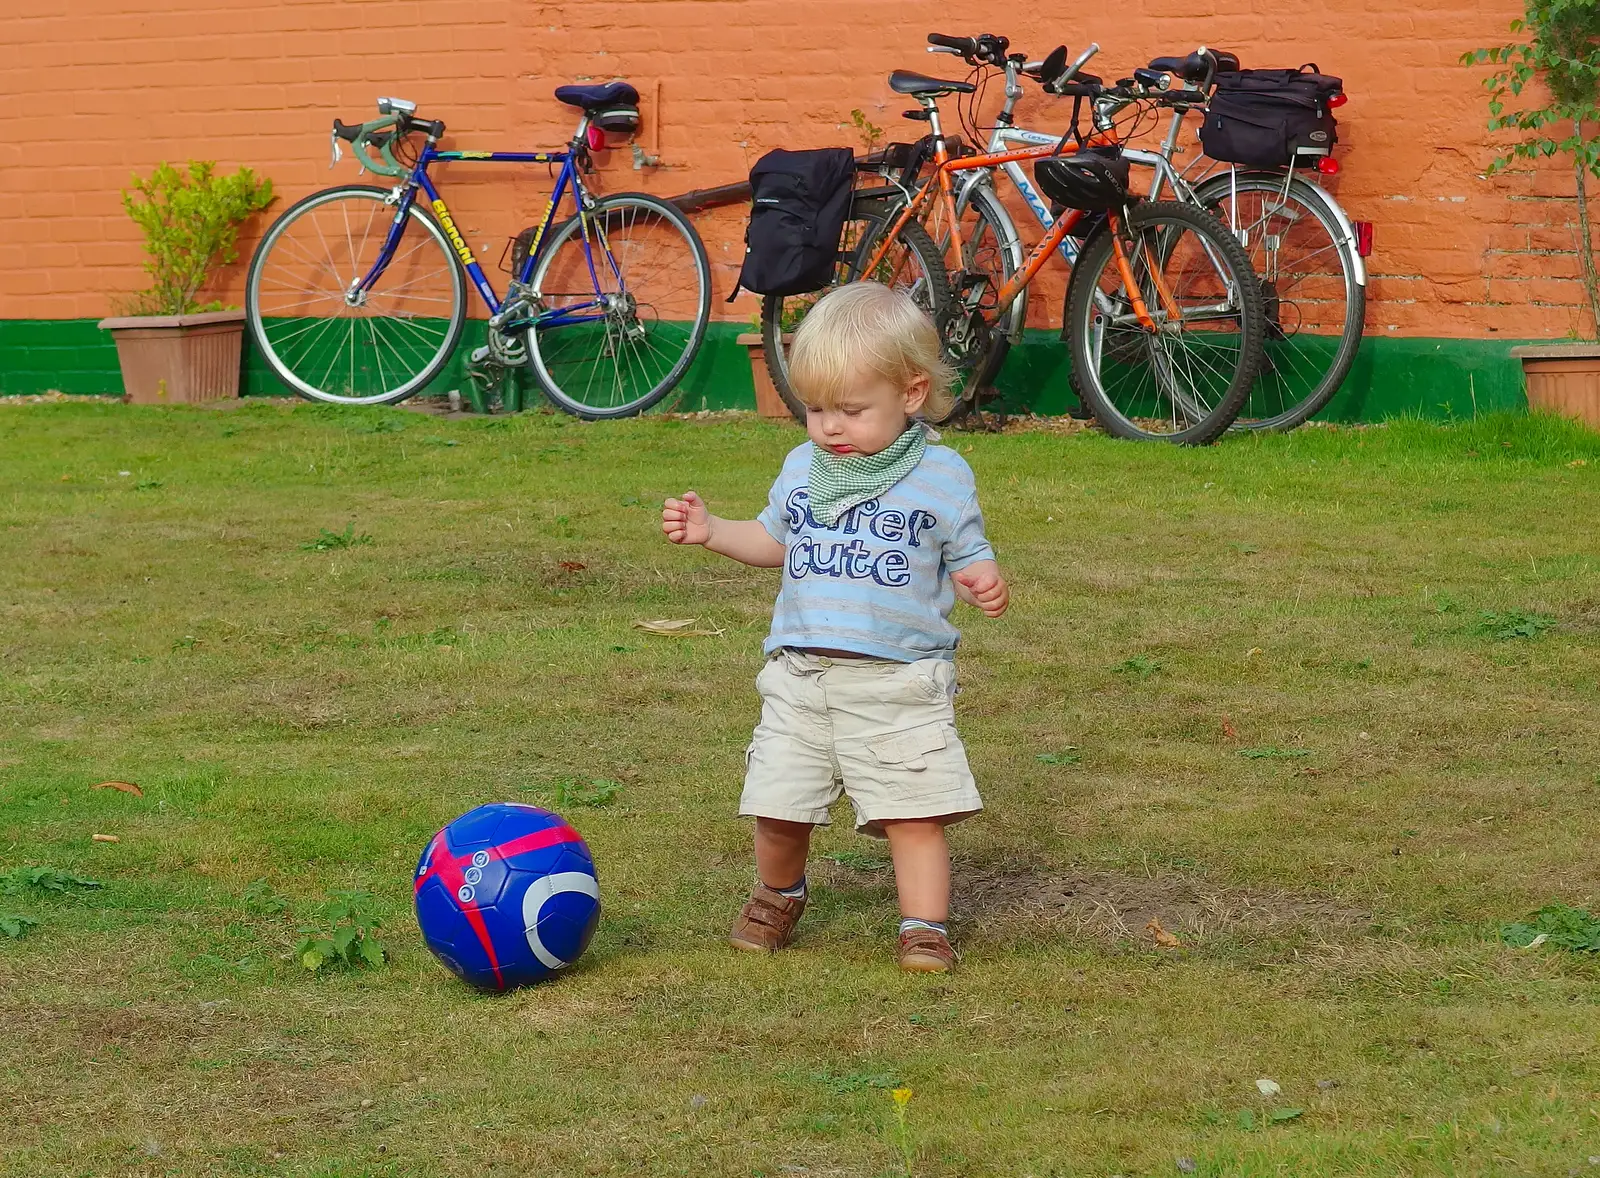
793	891
911	923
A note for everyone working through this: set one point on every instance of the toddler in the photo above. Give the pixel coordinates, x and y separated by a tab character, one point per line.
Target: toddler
877	532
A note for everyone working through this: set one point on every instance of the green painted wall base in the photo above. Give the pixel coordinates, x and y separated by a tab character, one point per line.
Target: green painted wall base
1434	378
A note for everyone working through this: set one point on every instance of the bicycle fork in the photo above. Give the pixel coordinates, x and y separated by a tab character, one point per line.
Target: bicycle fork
1141	310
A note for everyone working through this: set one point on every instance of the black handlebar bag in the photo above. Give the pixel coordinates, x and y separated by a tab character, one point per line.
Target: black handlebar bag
1265	118
798	204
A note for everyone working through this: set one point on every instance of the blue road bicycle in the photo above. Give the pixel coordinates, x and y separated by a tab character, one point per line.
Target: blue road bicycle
357	294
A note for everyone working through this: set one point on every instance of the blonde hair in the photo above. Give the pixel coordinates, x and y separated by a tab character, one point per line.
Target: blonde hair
866	327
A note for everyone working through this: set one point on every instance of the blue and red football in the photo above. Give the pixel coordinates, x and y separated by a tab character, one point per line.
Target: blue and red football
507	895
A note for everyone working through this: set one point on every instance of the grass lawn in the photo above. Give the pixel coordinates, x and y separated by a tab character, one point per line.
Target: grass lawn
1321	705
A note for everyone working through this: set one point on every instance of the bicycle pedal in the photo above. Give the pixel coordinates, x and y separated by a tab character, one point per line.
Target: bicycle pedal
971	286
482	371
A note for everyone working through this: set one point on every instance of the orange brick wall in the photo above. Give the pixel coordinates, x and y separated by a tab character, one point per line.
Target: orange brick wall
97	89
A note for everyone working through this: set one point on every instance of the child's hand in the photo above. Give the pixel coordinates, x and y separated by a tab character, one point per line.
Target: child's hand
982	586
686	520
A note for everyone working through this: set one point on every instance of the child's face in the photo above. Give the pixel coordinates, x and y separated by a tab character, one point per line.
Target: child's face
870	416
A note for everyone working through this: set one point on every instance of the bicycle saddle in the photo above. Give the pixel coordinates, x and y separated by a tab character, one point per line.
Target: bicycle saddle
906	82
592	97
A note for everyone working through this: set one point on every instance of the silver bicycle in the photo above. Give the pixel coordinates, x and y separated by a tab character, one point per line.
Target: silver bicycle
1306	250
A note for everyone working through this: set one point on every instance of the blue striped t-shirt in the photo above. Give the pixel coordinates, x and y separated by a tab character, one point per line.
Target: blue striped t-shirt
877	582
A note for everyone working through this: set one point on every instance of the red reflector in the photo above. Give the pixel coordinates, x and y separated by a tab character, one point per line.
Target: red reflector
1364	238
1338	99
1328	166
597	139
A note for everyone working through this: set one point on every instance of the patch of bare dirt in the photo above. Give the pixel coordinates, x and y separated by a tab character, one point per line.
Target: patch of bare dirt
1120	904
1113	905
1583	614
141	1030
1033	423
52	397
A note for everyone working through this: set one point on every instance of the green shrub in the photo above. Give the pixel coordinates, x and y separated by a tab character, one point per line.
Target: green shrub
190	222
1562	53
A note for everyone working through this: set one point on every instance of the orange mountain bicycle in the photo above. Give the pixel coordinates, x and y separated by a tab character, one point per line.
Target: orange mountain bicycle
1175	373
1164	316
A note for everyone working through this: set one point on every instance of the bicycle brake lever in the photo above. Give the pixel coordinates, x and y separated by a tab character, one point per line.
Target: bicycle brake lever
337	154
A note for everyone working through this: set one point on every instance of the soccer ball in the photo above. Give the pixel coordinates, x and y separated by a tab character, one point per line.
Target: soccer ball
507	895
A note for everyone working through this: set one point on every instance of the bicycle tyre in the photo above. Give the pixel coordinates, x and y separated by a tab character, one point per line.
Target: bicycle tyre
1275	404
276	350
1085	312
619	336
870	219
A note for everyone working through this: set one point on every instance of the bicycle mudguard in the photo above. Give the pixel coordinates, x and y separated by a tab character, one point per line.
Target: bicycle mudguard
1324	198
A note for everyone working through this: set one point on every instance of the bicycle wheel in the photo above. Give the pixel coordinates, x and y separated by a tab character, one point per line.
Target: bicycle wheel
1315	307
1171	355
373	347
623	295
913	264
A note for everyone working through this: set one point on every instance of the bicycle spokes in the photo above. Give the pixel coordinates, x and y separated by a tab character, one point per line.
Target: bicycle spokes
329	335
620	296
1164	350
1314	305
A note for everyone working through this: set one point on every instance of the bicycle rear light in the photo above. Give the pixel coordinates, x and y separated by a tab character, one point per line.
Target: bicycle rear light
1338	99
597	138
1328	166
1364	238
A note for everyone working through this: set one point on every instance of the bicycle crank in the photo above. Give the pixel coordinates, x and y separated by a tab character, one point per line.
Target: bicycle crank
491	373
977	351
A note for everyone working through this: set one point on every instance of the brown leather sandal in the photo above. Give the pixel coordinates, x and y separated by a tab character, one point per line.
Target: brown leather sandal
766	922
926	950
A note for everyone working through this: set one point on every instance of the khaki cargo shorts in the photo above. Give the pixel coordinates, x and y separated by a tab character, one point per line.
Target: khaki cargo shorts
882	732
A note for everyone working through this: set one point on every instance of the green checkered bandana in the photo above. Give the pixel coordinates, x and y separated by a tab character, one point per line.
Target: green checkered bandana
842	481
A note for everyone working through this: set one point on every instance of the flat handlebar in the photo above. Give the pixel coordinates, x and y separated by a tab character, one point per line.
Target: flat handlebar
984	49
961	45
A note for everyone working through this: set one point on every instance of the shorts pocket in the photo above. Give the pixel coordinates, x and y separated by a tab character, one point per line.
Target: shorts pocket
922	682
938	678
909	749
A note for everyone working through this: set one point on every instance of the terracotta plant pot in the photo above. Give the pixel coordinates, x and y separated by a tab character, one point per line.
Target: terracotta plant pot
769	402
178	359
1564	379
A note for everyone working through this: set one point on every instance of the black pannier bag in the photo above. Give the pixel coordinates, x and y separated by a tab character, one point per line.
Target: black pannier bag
1265	118
798	204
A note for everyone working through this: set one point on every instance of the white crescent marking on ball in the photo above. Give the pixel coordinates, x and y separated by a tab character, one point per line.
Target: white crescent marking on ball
533	901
